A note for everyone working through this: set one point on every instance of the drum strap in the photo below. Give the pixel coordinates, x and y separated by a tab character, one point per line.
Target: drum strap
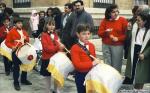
86	50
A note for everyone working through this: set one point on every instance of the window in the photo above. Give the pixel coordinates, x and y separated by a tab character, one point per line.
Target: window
21	3
102	3
139	2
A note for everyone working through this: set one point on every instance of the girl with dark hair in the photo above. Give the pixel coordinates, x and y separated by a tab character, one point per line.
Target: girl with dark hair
49	15
112	31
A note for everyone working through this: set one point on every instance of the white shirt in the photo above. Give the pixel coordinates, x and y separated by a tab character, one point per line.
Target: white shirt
139	37
21	35
65	19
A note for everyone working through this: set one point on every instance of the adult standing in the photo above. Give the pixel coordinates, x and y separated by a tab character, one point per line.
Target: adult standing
67	11
112	31
80	16
66	25
49	15
2	8
135	11
57	15
138	62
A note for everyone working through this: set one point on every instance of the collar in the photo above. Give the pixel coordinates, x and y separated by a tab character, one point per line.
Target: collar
68	14
82	43
19	30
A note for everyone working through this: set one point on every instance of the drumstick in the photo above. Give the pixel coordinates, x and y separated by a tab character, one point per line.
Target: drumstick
65	47
67	50
99	61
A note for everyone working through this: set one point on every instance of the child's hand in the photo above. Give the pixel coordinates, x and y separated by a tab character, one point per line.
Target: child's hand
96	61
61	47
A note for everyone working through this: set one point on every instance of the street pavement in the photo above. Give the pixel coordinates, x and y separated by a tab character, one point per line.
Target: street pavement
6	82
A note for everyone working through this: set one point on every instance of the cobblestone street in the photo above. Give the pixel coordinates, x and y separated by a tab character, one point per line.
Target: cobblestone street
6	82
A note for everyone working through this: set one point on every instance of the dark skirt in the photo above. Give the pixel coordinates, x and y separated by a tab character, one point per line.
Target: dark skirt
128	80
44	65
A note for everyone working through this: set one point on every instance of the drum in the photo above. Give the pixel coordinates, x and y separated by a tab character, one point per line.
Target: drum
103	79
5	51
27	55
59	67
37	44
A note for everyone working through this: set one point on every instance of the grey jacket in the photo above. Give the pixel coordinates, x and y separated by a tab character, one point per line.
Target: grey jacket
84	18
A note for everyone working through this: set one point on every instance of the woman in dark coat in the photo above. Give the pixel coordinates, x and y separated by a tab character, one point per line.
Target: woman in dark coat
138	62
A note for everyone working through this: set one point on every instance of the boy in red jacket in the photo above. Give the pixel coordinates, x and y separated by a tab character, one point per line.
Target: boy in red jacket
16	38
4	29
80	56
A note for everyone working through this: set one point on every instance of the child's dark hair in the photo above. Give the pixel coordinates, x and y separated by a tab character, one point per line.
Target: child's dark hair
83	28
5	18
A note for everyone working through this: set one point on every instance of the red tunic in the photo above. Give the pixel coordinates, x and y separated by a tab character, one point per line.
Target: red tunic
81	61
49	48
3	32
13	36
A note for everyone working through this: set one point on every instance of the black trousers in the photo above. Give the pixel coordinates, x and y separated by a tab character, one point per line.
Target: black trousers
7	64
137	49
79	80
16	70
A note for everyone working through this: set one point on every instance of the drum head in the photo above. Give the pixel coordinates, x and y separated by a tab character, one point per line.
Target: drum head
26	54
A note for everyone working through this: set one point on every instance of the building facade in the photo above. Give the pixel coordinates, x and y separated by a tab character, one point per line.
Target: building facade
95	7
123	4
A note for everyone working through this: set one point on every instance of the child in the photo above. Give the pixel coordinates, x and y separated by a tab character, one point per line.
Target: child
34	22
50	46
4	29
15	38
80	56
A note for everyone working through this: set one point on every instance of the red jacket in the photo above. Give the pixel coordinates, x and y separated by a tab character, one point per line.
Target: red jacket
119	27
49	47
13	36
81	61
3	32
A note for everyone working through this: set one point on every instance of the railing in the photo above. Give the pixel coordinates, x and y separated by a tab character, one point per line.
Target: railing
21	3
102	3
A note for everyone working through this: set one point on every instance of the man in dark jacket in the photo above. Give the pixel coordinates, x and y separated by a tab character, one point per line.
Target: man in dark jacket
79	15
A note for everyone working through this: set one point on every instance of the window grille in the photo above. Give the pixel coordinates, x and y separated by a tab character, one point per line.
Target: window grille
21	3
102	3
